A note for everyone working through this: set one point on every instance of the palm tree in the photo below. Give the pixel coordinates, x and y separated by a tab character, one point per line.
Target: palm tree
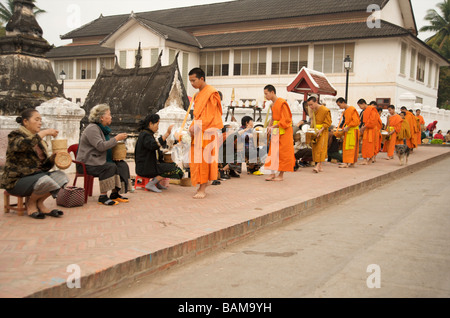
439	23
7	11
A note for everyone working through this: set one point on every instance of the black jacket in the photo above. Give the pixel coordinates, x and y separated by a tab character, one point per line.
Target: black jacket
147	154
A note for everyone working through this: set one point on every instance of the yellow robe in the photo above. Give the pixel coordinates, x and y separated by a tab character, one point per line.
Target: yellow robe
320	147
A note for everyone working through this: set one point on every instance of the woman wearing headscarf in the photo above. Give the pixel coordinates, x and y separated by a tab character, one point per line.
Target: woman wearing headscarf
28	164
95	151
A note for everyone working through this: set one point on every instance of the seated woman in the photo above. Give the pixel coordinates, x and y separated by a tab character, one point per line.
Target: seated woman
439	135
27	169
229	166
447	137
148	156
95	151
251	154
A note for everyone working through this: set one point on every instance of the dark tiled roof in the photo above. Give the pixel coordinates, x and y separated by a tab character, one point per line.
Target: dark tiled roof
134	93
298	35
79	50
227	12
170	33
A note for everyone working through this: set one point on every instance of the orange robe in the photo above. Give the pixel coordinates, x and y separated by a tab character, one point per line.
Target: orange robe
204	148
320	148
421	123
281	152
370	139
350	147
379	136
395	123
412	140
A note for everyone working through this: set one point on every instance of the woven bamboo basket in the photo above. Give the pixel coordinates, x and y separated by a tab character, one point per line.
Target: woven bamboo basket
168	157
186	182
63	160
59	145
119	152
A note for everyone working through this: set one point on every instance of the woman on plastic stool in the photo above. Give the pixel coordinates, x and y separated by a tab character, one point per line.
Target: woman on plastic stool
95	151
148	156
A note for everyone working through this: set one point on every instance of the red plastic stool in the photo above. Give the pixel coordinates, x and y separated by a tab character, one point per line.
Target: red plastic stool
143	182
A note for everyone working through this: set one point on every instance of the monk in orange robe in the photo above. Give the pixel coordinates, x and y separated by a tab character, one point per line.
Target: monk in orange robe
421	123
321	122
411	119
369	130
204	161
394	127
281	157
379	136
350	147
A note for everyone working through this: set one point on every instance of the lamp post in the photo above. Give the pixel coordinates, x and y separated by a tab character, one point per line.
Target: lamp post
62	77
348	63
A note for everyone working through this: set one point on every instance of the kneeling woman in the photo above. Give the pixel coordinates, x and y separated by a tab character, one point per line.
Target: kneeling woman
147	155
95	151
26	172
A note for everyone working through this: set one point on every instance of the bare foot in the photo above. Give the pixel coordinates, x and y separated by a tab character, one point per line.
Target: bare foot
41	207
270	178
199	195
31	207
389	158
364	163
344	165
278	179
316	170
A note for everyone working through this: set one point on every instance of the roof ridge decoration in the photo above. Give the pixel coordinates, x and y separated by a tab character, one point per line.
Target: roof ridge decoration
309	81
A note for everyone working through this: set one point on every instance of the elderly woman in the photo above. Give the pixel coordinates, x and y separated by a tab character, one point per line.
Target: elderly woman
28	164
95	151
148	155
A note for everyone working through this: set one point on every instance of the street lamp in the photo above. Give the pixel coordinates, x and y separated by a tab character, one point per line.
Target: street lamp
348	63
62	77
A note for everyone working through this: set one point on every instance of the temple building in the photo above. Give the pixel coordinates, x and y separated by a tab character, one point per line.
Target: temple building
247	44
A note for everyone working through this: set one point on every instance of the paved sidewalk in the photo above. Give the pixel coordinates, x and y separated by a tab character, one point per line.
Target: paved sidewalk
155	231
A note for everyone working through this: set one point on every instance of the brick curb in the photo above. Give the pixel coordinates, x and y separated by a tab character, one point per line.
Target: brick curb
130	271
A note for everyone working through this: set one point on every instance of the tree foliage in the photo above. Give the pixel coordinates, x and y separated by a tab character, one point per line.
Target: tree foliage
7	10
440	42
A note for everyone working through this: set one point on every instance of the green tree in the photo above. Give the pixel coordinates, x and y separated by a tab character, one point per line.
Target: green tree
440	42
444	88
7	10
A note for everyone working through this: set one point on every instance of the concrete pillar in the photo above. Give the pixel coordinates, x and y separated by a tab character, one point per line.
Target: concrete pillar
7	124
407	99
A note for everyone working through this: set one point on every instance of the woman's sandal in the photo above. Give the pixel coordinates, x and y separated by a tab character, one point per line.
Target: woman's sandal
37	215
108	202
55	213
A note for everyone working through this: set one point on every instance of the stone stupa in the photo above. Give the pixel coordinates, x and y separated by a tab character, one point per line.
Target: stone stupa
27	78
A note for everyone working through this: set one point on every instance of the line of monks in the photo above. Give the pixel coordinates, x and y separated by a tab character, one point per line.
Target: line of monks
365	129
353	127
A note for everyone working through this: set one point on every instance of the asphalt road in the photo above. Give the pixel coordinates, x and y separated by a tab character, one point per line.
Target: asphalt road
390	242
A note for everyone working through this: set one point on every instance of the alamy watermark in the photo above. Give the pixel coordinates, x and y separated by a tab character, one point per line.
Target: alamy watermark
374	279
74	279
74	17
374	20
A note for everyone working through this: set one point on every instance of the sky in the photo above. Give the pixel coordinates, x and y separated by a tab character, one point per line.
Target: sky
65	15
